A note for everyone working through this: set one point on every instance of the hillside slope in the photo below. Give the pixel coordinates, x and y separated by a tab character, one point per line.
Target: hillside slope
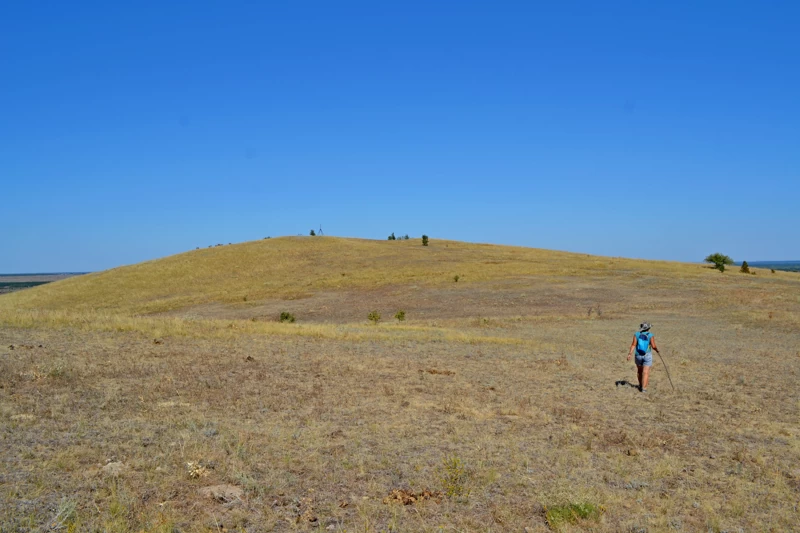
296	267
340	280
517	368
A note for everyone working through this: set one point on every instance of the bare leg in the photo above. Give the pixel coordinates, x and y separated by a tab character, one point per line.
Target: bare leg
645	377
639	371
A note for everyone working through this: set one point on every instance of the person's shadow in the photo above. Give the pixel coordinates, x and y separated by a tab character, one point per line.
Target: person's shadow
626	383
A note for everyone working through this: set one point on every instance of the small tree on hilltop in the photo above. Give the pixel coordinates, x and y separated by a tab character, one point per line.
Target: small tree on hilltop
392	237
424	240
719	260
745	268
312	233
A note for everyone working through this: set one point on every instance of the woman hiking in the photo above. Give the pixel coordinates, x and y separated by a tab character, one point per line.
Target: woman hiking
643	340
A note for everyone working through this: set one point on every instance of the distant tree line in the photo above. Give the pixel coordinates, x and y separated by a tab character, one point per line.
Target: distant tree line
720	261
406	237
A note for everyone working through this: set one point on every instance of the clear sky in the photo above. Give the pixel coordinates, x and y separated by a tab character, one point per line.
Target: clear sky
134	130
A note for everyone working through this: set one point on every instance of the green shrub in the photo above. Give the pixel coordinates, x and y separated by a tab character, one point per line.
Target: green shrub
400	315
559	515
287	317
66	515
455	477
405	237
745	268
456	278
719	260
312	233
424	240
374	317
392	237
772	270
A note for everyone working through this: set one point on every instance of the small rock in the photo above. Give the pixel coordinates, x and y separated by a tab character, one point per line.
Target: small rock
222	493
211	432
696	505
331	527
114	469
249	359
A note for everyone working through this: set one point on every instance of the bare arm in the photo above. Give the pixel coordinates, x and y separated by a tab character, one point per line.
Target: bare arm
653	343
630	350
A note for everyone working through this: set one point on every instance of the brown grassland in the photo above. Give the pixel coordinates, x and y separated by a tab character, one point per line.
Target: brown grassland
495	406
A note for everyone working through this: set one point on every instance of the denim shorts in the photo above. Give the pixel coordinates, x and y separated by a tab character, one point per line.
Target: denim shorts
644	360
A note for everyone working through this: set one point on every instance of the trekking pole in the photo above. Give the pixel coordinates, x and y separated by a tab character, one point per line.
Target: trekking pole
667	369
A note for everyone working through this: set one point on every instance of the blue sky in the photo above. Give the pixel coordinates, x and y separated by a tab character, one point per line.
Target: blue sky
664	130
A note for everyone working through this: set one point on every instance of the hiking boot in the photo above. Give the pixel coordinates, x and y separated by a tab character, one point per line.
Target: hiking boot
643	390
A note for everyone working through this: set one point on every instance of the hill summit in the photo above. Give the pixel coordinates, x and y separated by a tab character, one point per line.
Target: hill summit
289	268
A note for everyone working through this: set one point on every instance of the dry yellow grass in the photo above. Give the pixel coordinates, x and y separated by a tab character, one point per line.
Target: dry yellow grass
498	391
294	267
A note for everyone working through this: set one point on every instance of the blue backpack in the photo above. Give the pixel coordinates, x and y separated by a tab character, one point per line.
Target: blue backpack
643	342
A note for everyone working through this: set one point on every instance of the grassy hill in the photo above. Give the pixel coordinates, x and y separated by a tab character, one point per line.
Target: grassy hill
296	267
127	395
339	280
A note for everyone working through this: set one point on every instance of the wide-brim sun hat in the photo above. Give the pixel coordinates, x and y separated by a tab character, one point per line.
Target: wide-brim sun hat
644	326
